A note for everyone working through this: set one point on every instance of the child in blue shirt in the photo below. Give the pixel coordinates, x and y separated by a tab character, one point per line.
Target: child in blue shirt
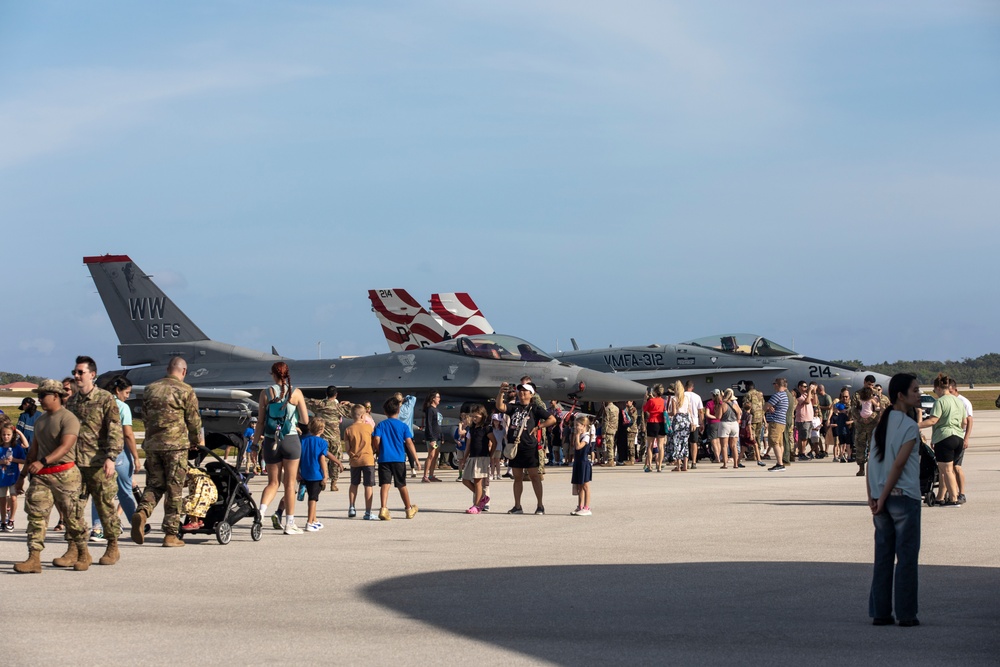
12	453
313	468
312	475
391	440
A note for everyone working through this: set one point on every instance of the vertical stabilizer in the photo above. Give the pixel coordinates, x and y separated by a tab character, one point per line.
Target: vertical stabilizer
459	314
140	312
405	323
150	327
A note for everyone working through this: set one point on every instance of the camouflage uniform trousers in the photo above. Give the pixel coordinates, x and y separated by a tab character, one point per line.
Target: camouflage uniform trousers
166	475
610	442
757	428
104	489
632	433
862	434
61	489
336	449
786	456
202	493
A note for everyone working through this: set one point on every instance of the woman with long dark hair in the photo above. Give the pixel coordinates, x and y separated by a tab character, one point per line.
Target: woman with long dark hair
894	498
282	407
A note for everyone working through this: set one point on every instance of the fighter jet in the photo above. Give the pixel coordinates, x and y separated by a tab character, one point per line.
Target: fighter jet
724	361
151	329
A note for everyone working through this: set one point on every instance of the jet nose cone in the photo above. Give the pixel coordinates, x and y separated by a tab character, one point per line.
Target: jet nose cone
607	387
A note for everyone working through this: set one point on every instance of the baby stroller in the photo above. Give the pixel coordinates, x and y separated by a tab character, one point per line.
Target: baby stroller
928	474
234	503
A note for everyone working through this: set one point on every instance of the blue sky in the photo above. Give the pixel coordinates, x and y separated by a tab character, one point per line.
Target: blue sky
824	174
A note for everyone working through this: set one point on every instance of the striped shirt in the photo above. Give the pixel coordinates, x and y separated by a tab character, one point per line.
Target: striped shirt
780	402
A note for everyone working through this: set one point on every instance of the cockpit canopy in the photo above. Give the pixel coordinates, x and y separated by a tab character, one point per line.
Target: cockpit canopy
492	346
748	344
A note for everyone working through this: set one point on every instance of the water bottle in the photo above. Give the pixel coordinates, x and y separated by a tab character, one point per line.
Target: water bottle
302	491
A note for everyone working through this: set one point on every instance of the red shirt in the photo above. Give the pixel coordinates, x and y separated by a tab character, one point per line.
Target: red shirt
654	407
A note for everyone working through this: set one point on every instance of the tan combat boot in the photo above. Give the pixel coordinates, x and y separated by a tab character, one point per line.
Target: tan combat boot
68	558
83	559
33	564
111	555
172	541
139	527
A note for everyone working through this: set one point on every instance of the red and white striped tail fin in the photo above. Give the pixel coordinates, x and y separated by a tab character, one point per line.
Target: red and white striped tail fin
405	323
459	314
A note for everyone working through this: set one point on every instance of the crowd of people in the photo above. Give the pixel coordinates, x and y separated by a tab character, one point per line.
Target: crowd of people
80	444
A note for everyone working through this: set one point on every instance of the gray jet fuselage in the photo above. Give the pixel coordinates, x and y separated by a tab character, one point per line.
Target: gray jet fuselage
727	361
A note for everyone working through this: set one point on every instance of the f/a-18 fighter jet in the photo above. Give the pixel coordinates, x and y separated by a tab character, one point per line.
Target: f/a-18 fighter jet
727	360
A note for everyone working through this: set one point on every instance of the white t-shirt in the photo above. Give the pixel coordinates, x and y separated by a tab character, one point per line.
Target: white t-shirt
695	404
900	429
968	406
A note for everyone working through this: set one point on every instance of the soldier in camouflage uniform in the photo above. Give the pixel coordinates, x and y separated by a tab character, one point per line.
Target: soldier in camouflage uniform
609	430
55	479
755	398
331	411
173	425
863	429
632	430
99	444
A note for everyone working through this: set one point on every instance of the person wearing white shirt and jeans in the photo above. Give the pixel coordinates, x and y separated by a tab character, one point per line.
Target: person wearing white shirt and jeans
894	498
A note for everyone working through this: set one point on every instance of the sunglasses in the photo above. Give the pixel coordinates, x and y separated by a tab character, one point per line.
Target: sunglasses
78	372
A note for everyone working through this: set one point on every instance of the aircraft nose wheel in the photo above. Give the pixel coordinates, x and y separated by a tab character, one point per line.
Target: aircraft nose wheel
223	532
255	531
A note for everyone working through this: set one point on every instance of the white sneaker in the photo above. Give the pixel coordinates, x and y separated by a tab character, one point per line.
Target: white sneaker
313	527
584	512
292	529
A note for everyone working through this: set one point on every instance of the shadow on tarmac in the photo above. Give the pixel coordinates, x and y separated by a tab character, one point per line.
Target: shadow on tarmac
702	613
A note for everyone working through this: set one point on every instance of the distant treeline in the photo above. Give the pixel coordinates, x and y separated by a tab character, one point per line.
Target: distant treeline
981	370
7	378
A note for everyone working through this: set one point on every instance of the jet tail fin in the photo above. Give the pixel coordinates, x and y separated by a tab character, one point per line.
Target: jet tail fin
405	323
459	314
150	327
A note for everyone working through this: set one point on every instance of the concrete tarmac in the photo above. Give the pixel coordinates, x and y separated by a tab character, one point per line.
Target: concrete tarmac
706	567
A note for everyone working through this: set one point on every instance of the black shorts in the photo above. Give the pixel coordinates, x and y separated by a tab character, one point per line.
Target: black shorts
960	457
393	472
946	451
365	473
656	429
313	489
527	457
289	448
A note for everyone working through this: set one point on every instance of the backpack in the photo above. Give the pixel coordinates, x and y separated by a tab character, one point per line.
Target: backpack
276	424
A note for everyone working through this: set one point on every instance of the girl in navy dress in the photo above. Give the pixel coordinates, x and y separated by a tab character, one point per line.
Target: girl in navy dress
583	469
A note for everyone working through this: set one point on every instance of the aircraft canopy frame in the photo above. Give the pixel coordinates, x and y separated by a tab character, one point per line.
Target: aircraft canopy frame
747	344
497	347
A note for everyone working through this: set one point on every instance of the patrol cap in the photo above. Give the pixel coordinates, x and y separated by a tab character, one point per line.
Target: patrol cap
50	387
